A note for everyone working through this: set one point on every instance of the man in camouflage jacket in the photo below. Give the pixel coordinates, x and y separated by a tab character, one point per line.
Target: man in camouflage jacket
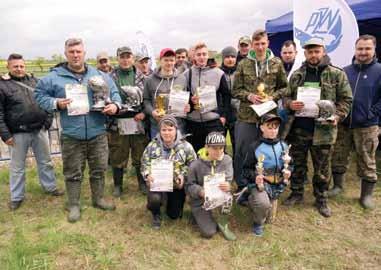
308	134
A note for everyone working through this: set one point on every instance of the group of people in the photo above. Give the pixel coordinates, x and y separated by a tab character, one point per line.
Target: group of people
135	119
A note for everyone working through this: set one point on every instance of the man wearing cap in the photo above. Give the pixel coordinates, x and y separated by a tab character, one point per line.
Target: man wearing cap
22	125
182	63
259	68
308	133
229	66
160	84
103	62
244	44
200	77
142	64
83	136
360	129
126	129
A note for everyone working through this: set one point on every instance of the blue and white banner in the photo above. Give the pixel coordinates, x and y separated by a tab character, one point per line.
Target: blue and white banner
331	20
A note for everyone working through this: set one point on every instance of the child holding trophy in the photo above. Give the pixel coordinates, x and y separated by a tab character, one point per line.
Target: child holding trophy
266	169
165	164
208	186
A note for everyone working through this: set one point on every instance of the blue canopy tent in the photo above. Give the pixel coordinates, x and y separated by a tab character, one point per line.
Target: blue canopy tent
367	12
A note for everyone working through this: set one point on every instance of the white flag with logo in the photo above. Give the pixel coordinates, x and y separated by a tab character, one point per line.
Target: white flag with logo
330	20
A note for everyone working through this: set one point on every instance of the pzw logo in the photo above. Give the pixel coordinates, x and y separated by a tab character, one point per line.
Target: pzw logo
325	24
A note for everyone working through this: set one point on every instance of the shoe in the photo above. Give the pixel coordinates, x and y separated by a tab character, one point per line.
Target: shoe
56	192
338	180
141	182
117	174
323	208
366	200
293	199
258	230
13	205
104	205
117	192
156	222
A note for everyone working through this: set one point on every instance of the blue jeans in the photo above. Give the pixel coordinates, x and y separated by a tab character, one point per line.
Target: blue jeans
39	142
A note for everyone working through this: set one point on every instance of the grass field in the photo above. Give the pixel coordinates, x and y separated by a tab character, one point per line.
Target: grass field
37	236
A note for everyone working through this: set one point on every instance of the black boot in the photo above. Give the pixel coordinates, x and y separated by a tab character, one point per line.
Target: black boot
141	182
338	179
293	199
322	207
367	188
117	174
156	221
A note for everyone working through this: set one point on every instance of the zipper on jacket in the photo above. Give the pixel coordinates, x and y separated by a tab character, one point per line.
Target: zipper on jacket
276	162
354	96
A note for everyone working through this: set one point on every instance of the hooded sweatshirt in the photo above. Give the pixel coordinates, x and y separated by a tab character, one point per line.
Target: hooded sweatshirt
202	167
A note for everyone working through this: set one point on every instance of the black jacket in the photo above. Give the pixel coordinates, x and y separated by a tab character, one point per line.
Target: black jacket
19	111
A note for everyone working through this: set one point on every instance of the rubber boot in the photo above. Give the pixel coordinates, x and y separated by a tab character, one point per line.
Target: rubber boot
293	199
141	182
222	223
338	180
117	174
97	191
366	200
73	191
323	208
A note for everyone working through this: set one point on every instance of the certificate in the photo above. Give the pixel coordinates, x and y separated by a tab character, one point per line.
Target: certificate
207	98
162	174
79	99
128	126
214	196
263	108
309	96
178	99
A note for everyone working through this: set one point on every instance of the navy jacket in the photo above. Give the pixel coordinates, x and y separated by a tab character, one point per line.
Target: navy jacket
365	81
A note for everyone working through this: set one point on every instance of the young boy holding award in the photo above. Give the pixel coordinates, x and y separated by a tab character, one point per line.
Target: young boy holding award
208	186
266	169
165	164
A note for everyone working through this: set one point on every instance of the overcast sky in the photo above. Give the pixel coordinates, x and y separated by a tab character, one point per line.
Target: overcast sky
39	28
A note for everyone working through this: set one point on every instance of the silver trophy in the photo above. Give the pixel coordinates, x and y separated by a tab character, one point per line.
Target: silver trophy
101	92
134	98
286	162
327	110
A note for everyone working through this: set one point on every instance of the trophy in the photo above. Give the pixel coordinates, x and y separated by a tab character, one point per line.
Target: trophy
197	106
101	92
259	168
261	92
327	110
134	98
286	162
160	104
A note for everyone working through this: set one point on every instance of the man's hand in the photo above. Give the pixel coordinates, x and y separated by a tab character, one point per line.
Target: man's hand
110	109
139	117
62	103
223	120
149	180
225	187
180	181
286	174
296	105
255	99
195	99
201	194
10	142
156	115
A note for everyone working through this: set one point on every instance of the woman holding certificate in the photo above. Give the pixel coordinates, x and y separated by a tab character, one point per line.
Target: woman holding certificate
165	164
165	92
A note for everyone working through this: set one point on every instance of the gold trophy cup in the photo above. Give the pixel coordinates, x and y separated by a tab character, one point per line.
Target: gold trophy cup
197	106
261	92
160	105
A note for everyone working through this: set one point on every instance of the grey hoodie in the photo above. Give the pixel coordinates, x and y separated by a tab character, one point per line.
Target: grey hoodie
156	84
200	168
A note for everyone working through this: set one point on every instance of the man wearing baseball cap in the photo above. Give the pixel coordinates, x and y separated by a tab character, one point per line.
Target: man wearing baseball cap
103	62
142	64
243	47
306	133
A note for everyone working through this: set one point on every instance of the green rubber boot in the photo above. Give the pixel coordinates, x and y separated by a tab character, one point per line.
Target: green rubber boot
97	191
73	191
222	223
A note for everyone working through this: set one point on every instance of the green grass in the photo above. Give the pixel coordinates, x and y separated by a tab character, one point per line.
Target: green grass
37	236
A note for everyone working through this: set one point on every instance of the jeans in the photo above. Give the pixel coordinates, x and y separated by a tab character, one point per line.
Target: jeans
39	142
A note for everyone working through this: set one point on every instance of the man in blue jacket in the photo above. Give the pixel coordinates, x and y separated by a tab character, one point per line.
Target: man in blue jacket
66	89
360	128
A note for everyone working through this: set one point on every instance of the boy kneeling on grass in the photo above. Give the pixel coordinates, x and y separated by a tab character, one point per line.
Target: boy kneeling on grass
265	172
212	163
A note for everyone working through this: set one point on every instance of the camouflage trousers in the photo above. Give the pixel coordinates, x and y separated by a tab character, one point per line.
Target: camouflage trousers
122	145
301	141
364	141
75	153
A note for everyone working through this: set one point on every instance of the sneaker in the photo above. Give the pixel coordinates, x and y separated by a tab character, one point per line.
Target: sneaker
258	230
156	222
13	205
293	199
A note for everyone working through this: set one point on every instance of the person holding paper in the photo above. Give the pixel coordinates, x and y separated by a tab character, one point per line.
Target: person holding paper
260	66
160	84
167	147
83	136
307	134
212	161
275	176
126	129
210	98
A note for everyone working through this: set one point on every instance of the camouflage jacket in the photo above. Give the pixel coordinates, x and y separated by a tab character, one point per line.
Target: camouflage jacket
334	86
247	78
182	153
